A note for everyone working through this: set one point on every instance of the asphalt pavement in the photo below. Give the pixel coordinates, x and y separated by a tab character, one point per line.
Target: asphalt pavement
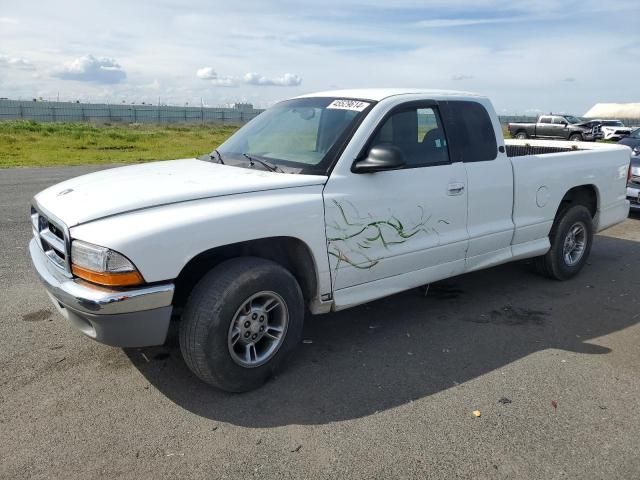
385	390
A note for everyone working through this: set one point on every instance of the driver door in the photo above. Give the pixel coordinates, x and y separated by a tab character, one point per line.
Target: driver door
397	229
544	128
560	127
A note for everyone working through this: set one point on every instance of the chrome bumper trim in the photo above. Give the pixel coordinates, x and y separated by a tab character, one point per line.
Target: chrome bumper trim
84	297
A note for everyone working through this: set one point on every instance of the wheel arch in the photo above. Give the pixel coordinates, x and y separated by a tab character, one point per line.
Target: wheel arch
289	252
586	195
576	132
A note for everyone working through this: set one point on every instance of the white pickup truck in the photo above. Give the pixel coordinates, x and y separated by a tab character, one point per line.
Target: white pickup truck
321	203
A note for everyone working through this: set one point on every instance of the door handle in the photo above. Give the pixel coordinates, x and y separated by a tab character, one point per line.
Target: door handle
455	189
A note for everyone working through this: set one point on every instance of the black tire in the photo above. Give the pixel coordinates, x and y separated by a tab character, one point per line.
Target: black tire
575	137
210	309
521	135
554	264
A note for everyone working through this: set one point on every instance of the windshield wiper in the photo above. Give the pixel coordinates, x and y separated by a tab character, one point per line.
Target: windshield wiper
218	155
271	168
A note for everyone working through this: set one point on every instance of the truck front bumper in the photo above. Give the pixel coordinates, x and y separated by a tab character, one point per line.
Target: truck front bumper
122	318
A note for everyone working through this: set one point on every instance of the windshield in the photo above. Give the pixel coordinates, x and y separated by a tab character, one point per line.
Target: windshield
572	119
303	134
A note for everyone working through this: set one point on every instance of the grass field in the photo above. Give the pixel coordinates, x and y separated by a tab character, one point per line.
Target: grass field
33	144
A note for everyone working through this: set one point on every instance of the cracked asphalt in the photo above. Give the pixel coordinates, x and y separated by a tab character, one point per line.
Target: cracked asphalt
385	390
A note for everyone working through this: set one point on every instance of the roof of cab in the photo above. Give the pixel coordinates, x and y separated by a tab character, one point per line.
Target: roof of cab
377	94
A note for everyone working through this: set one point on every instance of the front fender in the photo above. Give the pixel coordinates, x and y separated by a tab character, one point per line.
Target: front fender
160	241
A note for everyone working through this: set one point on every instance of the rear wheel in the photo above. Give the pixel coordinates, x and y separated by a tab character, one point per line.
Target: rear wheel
575	137
571	238
521	135
240	323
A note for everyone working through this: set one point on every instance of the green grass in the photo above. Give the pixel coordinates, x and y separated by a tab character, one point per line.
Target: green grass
35	144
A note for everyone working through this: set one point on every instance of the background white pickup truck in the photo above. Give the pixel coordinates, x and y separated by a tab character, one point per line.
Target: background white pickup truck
323	202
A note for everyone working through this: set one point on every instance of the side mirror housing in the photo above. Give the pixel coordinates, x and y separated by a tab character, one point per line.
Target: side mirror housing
380	158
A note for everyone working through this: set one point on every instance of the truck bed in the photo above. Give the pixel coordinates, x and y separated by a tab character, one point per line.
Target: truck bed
540	185
526	147
521	148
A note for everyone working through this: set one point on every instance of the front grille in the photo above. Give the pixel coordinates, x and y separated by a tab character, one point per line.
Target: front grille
52	238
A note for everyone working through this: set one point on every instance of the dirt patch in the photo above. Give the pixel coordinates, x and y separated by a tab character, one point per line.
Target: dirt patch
37	316
444	291
510	315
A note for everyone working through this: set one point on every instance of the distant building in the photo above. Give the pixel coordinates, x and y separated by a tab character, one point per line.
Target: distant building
614	110
242	106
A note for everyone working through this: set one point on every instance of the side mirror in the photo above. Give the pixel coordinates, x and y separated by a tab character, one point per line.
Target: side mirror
380	158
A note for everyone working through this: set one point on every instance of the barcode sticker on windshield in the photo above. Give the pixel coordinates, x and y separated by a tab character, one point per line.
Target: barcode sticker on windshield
355	105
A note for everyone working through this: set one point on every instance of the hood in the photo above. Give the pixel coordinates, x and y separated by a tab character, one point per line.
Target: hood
134	187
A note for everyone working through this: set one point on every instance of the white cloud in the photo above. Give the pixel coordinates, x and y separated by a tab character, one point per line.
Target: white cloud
287	80
255	79
92	69
16	62
463	22
8	20
207	73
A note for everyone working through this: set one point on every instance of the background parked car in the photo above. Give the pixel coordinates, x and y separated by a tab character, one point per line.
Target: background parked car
633	187
614	129
633	141
564	127
594	125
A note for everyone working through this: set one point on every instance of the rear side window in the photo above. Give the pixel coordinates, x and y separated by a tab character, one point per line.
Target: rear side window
470	132
545	120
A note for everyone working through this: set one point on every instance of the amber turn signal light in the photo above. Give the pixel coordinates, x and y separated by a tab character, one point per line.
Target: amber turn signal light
108	279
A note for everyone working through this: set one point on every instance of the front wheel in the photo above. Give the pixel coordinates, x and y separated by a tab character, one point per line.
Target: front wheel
575	137
571	238
240	323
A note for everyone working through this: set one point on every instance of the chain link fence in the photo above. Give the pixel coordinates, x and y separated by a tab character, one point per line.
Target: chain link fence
121	113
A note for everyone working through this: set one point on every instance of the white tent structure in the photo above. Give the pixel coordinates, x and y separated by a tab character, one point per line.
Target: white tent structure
614	110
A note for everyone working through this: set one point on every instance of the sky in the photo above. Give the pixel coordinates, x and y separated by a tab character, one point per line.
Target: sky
528	57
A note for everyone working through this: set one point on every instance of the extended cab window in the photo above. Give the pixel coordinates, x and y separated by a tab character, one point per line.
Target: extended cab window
470	131
418	133
545	120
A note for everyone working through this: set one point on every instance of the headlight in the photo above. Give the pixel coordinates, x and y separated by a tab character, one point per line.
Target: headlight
103	266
